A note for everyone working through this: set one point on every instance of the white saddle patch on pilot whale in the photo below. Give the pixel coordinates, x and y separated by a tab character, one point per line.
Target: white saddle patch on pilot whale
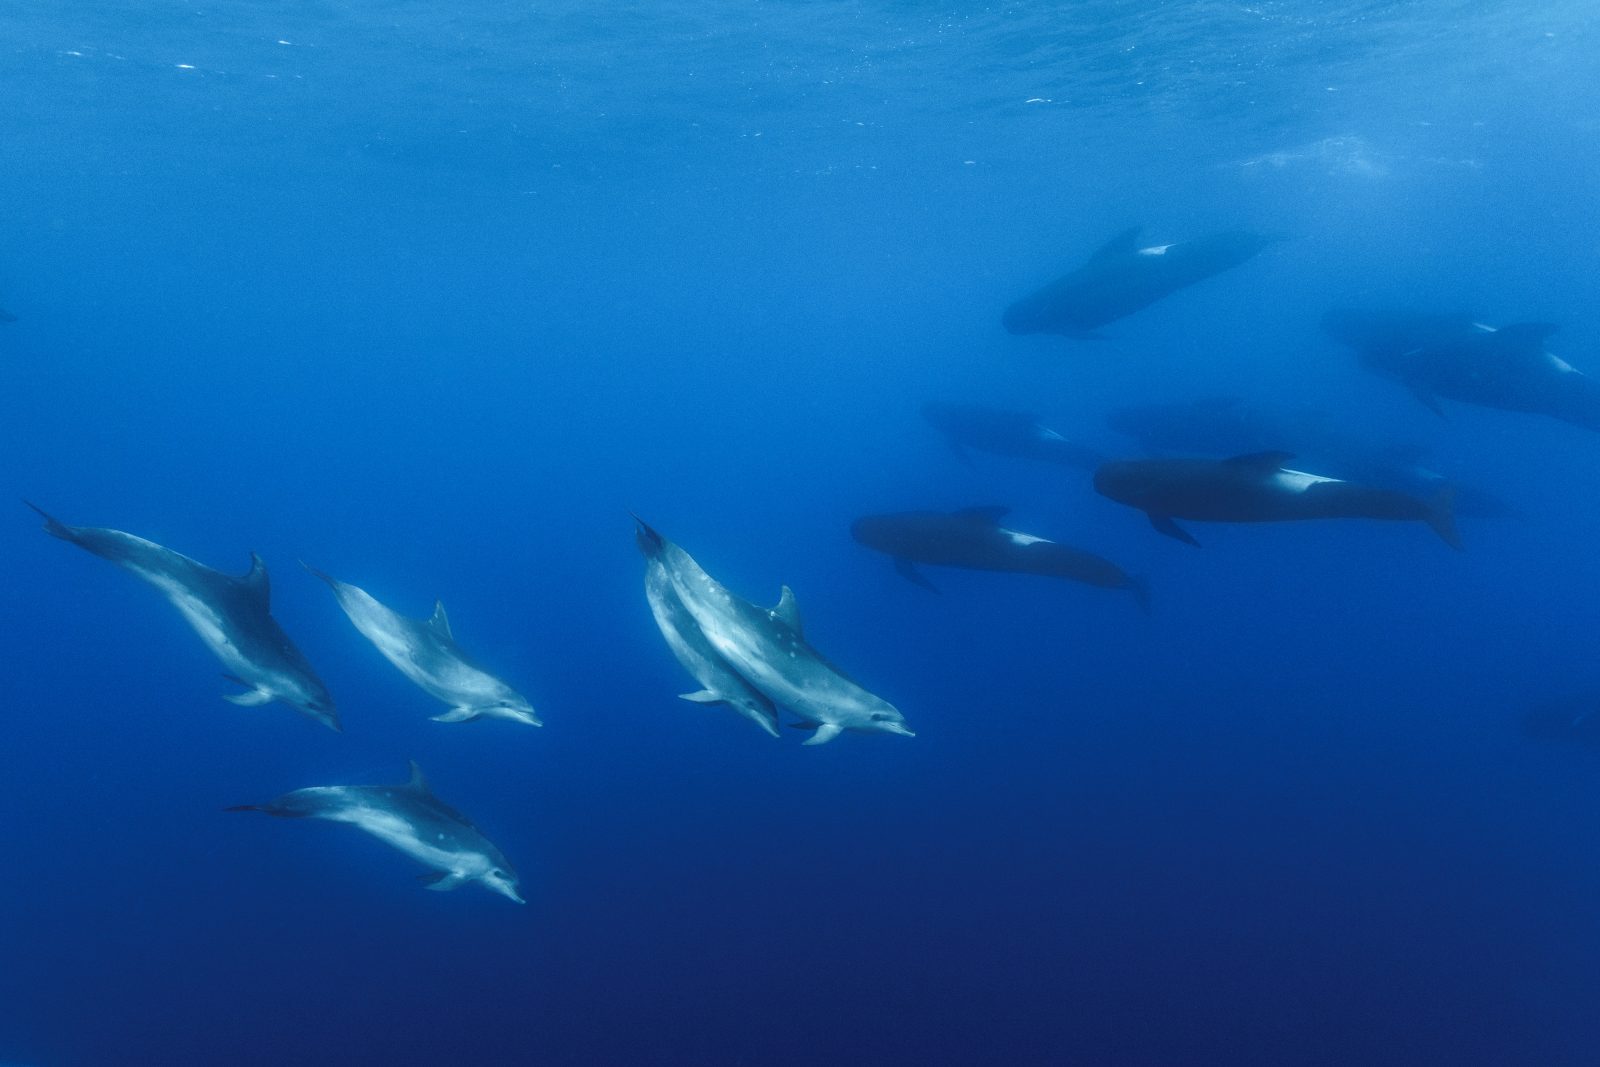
1024	540
1154	250
1299	481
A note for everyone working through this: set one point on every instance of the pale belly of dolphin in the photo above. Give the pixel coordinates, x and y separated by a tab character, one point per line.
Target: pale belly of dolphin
404	836
206	622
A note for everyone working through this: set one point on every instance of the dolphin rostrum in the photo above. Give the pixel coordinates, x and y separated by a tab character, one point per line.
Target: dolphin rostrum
768	649
426	652
720	683
408	818
232	616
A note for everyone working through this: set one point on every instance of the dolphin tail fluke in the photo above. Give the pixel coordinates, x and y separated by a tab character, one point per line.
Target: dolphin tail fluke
1441	517
324	575
53	526
1141	592
650	543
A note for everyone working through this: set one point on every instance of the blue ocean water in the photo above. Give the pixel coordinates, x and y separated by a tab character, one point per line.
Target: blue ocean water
430	296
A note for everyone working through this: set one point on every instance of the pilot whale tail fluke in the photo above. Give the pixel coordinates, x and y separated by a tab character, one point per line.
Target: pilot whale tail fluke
53	526
1442	517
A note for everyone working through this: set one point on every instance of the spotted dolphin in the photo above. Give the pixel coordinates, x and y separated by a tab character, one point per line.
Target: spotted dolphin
232	615
426	652
768	649
720	683
974	539
408	818
1123	277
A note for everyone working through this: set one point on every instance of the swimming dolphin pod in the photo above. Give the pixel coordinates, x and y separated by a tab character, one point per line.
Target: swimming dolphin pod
410	819
232	615
974	539
425	651
1123	277
752	658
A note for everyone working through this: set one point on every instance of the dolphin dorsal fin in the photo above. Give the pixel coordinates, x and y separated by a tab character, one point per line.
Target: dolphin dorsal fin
788	611
257	581
1260	461
989	513
440	621
1125	243
418	782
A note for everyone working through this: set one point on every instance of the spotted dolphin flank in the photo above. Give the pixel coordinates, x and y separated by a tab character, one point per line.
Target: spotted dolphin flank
720	683
232	615
426	652
1123	277
768	649
412	820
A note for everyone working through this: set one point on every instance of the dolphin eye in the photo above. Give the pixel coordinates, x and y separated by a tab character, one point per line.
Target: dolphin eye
879	716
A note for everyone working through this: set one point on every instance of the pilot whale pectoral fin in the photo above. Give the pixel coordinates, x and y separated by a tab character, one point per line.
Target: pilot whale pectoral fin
462	714
441	881
825	732
704	696
1164	524
1428	400
908	570
1441	517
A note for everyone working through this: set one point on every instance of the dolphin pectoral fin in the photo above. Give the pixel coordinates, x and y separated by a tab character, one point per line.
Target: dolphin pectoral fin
825	733
907	570
457	715
253	699
704	696
441	881
1164	524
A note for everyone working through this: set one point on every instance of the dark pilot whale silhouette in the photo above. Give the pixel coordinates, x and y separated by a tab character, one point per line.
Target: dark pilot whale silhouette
973	538
233	616
1123	277
1452	357
1257	488
1017	434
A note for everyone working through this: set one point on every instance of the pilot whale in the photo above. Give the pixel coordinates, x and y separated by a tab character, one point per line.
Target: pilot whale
768	649
1444	356
1257	488
410	819
720	683
973	538
426	652
232	616
1008	433
1123	277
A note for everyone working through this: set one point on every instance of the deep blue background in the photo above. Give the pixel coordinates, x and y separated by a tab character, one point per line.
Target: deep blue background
428	295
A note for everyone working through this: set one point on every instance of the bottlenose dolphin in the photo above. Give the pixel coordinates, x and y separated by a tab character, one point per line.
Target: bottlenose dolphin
1442	356
426	652
1229	426
974	538
232	616
720	683
768	649
1257	488
1122	277
408	818
1008	433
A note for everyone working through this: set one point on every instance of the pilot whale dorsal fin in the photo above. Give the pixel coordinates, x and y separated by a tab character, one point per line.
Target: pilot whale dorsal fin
990	513
1266	462
257	582
417	781
440	622
1125	243
788	611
